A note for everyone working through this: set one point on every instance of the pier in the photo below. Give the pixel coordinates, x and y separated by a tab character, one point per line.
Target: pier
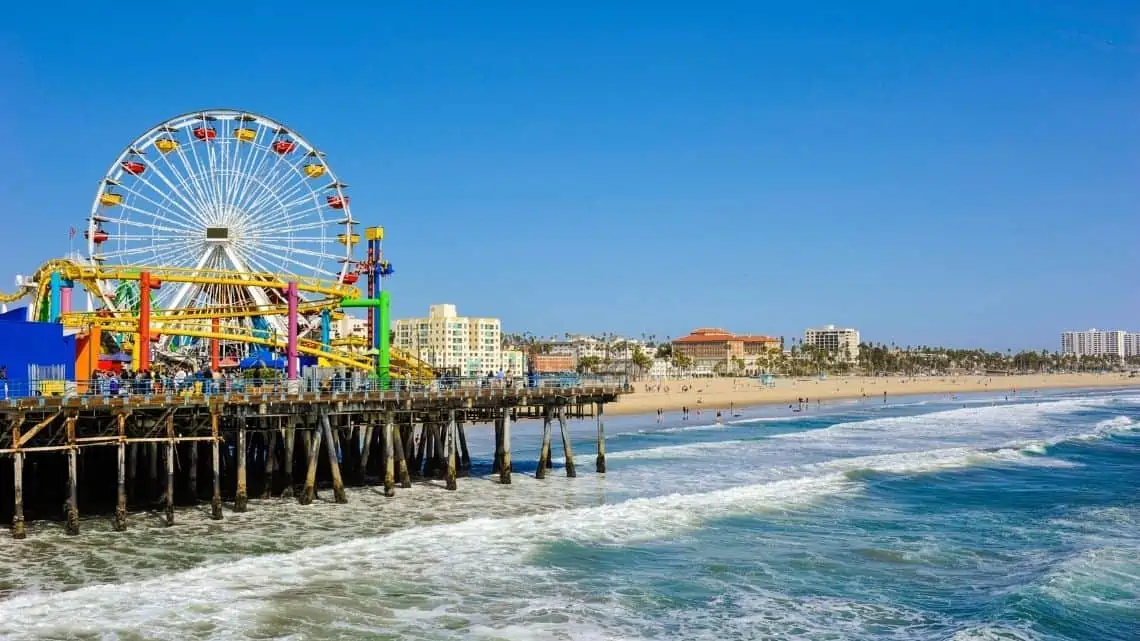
67	455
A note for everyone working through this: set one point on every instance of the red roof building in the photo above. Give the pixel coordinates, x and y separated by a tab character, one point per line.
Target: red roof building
708	346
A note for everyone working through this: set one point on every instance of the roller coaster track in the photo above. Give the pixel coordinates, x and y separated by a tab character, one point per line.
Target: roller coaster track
195	322
403	365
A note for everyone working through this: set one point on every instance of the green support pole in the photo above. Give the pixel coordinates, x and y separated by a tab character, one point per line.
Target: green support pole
384	350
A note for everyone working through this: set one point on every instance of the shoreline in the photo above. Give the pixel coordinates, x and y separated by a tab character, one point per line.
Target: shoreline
718	393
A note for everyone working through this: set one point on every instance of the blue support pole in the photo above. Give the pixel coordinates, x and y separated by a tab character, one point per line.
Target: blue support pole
326	329
55	303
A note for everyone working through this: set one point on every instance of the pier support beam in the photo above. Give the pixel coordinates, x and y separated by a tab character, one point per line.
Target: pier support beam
288	435
570	471
310	490
449	448
505	459
601	462
241	496
72	526
401	458
544	449
334	464
270	462
389	456
18	529
169	500
192	472
365	454
216	462
464	454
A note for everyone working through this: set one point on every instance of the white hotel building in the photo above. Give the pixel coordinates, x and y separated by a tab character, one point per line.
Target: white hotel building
844	342
1100	342
469	346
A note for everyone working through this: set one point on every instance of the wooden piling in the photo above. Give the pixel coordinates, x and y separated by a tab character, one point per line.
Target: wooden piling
389	457
401	457
152	462
439	461
19	531
132	470
334	464
366	452
216	462
72	526
288	436
601	461
464	454
505	460
192	472
314	444
497	461
449	449
544	449
570	471
241	496
169	499
270	463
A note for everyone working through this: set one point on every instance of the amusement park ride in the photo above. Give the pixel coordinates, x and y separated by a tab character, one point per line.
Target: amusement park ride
212	234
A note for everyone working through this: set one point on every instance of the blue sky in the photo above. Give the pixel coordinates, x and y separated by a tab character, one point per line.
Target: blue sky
959	173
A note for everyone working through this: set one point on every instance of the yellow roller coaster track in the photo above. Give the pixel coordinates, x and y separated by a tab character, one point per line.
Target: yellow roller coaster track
403	365
189	322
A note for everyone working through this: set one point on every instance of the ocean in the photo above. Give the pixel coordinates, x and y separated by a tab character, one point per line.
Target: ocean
921	518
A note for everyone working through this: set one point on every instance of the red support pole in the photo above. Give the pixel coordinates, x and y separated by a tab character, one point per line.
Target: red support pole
215	345
142	350
291	345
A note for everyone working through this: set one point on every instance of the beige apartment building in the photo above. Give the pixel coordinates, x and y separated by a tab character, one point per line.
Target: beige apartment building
841	341
467	346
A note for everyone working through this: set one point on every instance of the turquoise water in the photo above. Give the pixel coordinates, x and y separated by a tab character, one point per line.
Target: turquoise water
927	519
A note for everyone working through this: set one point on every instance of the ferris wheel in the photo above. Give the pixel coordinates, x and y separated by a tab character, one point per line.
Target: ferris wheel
221	189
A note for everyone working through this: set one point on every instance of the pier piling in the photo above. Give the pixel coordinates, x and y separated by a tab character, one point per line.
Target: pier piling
505	459
216	463
449	449
169	498
544	449
334	464
270	463
18	529
601	461
389	457
401	457
570	471
241	496
313	441
192	472
464	455
289	434
72	526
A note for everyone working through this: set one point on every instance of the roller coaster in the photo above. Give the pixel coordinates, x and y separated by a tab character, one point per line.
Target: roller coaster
214	233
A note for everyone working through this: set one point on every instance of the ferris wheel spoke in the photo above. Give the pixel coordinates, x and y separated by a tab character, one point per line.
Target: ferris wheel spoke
202	171
296	250
260	156
136	251
181	219
171	225
192	177
185	190
286	259
276	182
175	195
145	225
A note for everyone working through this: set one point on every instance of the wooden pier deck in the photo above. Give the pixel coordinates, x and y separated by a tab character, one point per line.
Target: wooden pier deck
142	451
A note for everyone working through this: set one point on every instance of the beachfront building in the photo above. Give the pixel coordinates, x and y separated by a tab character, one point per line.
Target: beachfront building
1131	344
1096	342
716	350
552	363
841	341
349	327
467	346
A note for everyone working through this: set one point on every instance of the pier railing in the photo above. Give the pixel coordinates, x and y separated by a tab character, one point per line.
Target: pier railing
331	386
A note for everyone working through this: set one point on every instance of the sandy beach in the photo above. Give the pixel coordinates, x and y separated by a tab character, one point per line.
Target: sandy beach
711	394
